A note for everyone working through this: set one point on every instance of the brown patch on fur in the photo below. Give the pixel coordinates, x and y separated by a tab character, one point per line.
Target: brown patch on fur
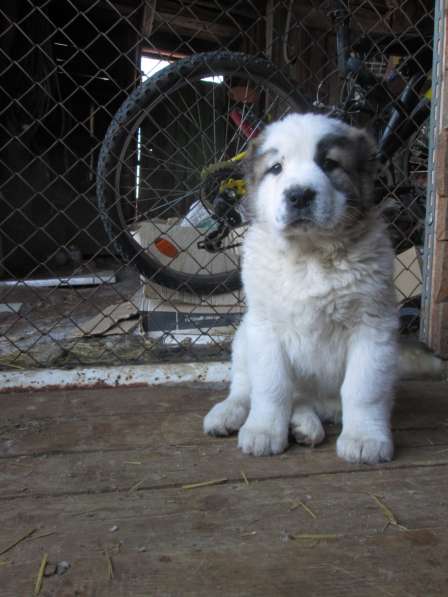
253	161
355	154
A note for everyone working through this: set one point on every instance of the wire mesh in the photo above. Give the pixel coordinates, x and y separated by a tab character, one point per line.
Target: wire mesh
141	263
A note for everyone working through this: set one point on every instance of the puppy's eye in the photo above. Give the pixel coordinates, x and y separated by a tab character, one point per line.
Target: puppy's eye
329	164
275	169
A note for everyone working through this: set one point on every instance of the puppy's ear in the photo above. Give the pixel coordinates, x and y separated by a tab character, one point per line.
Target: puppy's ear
366	165
251	160
366	153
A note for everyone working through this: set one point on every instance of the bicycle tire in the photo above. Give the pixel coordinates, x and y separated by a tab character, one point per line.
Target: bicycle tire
144	98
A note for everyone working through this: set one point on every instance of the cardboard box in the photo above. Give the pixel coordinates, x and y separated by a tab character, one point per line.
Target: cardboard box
408	274
174	317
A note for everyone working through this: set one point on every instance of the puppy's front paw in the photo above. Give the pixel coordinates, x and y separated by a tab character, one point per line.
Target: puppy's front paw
365	449
226	417
262	441
307	428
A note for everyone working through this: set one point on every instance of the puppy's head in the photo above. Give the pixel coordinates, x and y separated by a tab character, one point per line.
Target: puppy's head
311	173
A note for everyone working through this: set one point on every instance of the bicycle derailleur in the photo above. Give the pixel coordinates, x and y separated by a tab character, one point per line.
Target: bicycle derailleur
225	214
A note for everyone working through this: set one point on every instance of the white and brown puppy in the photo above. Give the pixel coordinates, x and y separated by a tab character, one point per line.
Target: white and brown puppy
320	330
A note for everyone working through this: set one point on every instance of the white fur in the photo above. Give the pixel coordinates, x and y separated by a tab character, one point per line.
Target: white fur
313	336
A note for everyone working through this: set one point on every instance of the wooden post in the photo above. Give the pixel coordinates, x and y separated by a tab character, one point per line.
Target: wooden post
436	334
149	11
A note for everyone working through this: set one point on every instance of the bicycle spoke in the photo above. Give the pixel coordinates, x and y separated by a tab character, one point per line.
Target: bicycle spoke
166	163
237	131
227	120
244	108
214	124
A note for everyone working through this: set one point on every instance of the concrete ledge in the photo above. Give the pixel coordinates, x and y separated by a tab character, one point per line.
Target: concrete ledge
97	377
416	362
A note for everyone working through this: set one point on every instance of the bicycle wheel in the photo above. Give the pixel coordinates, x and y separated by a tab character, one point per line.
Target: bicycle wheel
153	196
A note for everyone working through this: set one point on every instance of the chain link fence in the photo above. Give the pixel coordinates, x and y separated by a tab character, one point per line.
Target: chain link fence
139	261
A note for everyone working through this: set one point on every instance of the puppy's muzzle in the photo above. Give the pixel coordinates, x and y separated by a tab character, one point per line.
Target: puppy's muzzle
300	197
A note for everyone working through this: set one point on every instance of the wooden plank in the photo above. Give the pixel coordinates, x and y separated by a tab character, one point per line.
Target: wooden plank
441	181
440	252
441	271
149	9
132	471
412	398
39	435
92	402
85	421
256	571
442	222
234	539
92	441
187	25
436	334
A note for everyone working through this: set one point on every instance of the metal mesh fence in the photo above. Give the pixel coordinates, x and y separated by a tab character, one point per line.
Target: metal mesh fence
139	261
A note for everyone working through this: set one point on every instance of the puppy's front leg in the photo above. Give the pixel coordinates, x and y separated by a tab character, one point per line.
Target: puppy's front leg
367	397
265	431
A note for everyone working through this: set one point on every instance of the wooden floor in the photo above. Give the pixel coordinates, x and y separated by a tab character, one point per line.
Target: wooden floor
96	478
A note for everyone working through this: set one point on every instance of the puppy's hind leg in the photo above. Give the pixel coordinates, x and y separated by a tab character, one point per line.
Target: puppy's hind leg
306	426
228	416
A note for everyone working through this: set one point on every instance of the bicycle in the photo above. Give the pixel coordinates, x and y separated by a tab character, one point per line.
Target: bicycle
170	182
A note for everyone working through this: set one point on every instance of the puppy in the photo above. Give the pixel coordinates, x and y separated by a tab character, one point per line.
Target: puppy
319	335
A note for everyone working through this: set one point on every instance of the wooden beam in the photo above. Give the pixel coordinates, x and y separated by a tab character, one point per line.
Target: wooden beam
149	10
436	334
193	25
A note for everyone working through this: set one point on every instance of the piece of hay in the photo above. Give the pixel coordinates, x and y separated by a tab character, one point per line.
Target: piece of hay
40	574
205	483
389	515
301	504
41	536
11	365
245	479
314	536
136	486
19	540
85	512
110	565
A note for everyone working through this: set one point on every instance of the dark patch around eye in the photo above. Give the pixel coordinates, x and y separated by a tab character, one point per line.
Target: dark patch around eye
329	164
323	148
275	169
353	173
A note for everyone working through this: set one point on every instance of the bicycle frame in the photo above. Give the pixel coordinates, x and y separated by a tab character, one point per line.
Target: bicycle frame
409	111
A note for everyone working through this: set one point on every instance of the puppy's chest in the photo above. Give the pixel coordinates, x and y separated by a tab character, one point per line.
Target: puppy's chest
309	298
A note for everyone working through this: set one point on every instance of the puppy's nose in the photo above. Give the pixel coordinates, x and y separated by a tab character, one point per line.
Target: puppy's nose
300	196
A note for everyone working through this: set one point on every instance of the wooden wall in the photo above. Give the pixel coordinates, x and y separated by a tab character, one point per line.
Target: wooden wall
436	334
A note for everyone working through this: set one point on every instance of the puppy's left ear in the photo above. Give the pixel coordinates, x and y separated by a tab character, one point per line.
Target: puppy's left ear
366	153
250	160
366	164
